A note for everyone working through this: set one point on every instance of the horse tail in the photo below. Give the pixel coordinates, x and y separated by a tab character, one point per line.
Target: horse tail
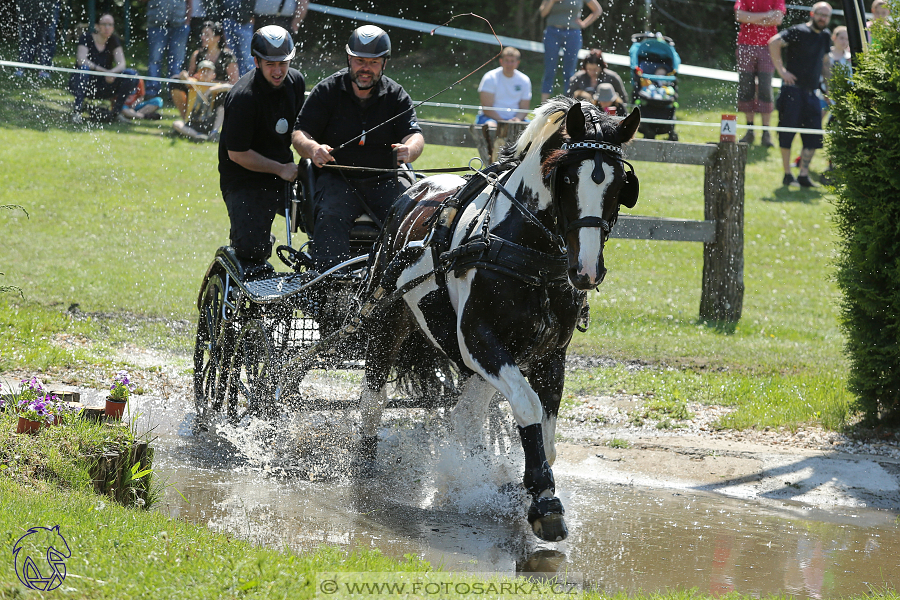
425	373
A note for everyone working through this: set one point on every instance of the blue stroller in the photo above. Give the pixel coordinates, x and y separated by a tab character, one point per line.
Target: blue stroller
654	79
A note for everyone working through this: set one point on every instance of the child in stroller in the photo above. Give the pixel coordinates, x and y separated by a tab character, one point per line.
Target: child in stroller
654	77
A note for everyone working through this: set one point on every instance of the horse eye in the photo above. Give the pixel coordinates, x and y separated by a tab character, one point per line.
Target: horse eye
566	179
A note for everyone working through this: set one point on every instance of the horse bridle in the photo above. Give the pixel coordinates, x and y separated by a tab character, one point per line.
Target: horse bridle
563	225
578	151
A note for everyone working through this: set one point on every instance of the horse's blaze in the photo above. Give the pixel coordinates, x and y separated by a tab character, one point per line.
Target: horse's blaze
590	239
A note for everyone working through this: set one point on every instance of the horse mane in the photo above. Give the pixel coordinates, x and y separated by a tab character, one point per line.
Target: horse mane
549	122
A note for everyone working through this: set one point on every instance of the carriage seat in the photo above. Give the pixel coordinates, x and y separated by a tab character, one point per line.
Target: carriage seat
364	232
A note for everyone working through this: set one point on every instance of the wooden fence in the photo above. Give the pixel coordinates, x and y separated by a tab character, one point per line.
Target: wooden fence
721	231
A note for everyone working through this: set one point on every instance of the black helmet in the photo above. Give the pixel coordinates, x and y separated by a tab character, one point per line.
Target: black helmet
369	41
272	43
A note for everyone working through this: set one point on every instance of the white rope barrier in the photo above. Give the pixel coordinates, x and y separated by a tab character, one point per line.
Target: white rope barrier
18	65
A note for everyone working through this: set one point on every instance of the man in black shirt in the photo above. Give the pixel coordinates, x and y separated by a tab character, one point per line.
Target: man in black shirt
356	117
806	59
256	164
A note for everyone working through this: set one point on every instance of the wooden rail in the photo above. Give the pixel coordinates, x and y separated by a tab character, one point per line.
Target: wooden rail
722	231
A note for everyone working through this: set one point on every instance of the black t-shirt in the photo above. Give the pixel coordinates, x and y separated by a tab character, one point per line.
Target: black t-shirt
804	53
258	117
333	115
103	58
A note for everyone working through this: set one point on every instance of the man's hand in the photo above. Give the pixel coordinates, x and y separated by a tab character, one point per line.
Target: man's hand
402	153
788	77
288	171
321	155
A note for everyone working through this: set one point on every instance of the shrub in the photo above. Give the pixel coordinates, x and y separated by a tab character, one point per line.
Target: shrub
865	148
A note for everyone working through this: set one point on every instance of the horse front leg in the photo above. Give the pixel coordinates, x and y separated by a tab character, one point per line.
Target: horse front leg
467	419
486	357
385	336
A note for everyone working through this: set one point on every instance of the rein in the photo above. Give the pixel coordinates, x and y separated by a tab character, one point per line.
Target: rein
376	170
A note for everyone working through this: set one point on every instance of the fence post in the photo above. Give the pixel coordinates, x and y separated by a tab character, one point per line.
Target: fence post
722	297
490	140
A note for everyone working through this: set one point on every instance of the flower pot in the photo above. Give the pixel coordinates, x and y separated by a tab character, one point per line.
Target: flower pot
114	409
28	426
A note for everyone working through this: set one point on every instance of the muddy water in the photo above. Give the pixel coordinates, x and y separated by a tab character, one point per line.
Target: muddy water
289	488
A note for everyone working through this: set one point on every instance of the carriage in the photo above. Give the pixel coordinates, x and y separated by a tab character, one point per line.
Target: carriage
258	334
474	286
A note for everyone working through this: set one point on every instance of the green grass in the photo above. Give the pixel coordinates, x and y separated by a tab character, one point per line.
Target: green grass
124	222
58	458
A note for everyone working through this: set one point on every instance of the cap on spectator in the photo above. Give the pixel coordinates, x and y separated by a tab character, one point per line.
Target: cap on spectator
606	93
206	64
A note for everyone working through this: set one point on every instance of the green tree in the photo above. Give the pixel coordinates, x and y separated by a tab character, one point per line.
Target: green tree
865	148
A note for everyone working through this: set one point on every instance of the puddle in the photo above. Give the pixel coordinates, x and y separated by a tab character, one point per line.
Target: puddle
467	513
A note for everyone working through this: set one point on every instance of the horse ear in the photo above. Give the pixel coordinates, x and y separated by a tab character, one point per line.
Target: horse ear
575	122
629	125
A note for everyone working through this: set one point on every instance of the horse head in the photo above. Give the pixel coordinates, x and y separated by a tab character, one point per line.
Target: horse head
588	182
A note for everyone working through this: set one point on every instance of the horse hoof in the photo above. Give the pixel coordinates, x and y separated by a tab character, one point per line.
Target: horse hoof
550	528
546	518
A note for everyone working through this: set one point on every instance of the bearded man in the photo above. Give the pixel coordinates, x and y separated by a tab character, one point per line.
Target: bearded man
356	117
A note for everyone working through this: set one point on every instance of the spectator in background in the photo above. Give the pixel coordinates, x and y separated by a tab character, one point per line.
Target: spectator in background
136	107
38	20
607	99
564	25
284	13
759	21
505	92
838	55
806	60
100	51
206	109
168	25
237	21
594	71
201	12
881	12
223	60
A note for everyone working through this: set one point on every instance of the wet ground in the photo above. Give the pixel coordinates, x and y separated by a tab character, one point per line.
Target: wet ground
678	512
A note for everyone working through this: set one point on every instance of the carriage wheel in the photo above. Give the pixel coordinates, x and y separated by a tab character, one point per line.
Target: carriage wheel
253	379
212	350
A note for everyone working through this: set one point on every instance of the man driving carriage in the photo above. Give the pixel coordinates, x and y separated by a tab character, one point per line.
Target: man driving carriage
360	118
255	158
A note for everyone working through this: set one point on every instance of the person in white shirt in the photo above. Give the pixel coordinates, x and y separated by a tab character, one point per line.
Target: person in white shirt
505	92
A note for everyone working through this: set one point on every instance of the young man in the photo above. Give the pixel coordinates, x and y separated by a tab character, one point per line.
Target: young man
759	21
505	92
356	117
255	158
806	59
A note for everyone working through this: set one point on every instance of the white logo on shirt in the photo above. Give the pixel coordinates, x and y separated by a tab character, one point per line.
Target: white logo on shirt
281	126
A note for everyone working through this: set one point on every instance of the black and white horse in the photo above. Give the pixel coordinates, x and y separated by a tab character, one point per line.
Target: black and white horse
495	280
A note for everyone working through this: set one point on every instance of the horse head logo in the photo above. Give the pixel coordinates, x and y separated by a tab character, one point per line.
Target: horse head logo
40	557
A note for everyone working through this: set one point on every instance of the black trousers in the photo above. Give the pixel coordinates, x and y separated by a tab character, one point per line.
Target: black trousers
252	212
338	202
